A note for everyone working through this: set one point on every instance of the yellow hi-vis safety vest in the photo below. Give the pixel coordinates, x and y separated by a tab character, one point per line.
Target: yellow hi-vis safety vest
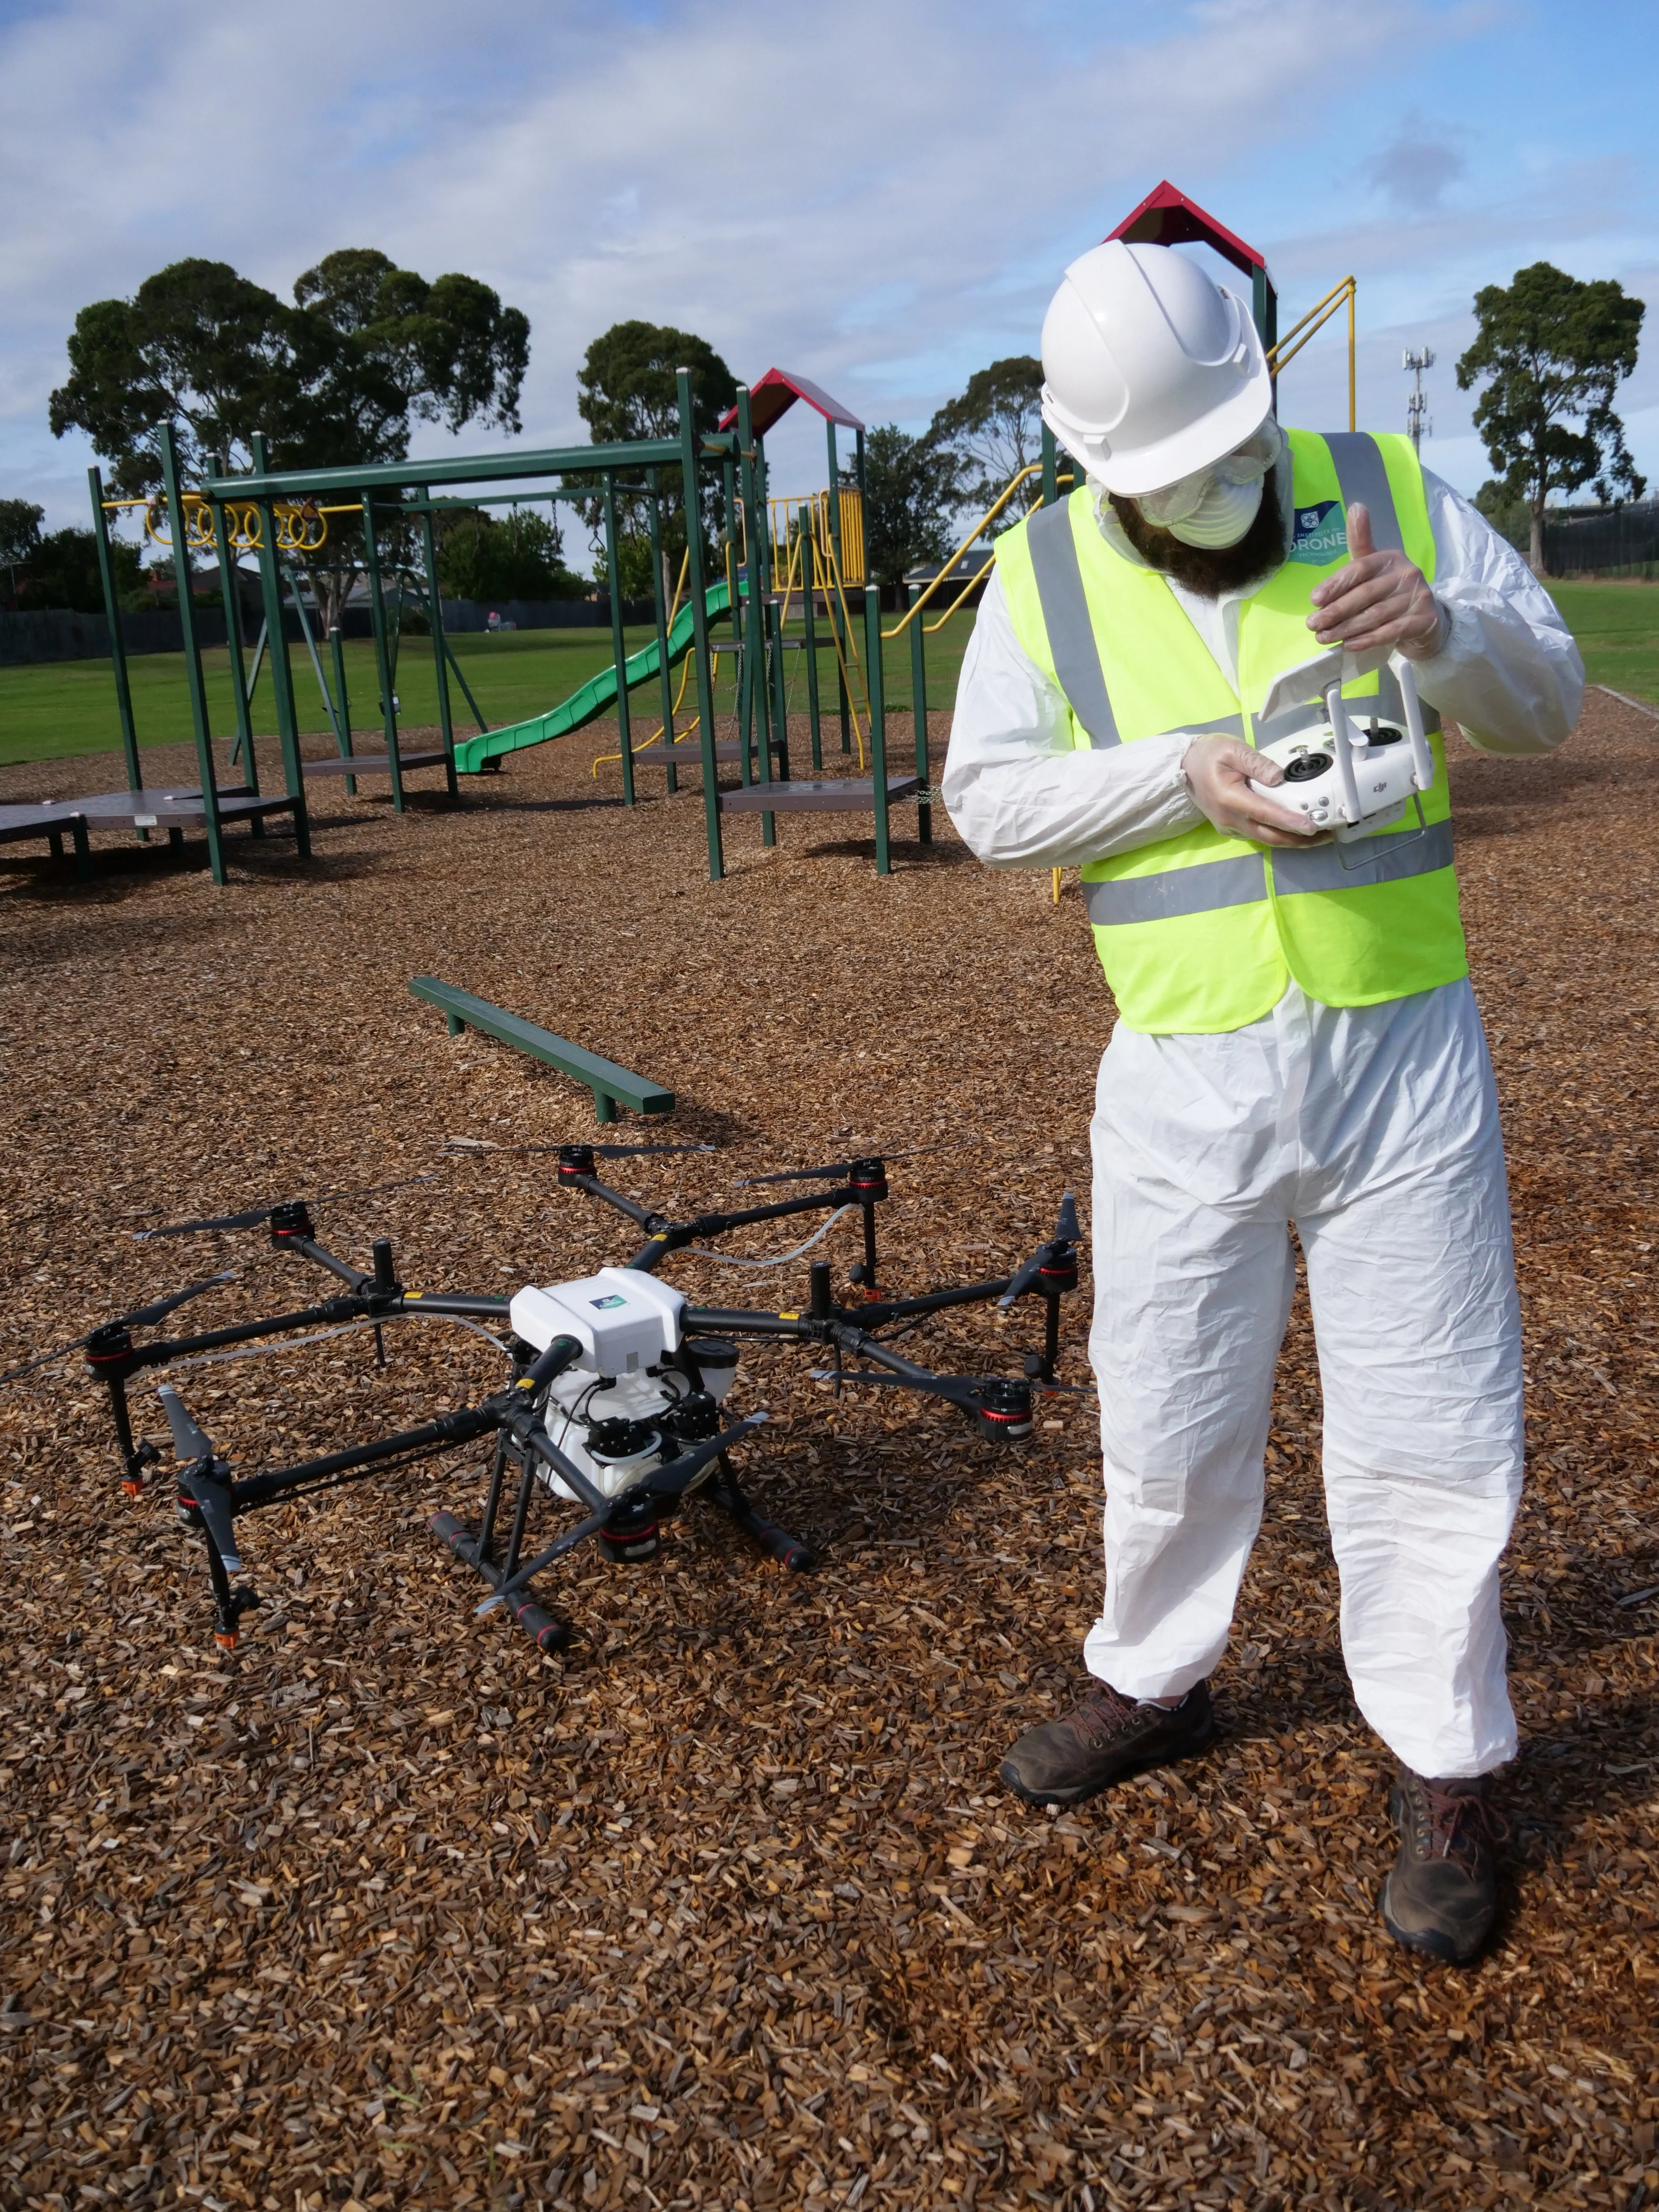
1201	932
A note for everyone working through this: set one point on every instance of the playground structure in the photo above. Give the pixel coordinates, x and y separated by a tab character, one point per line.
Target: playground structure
781	554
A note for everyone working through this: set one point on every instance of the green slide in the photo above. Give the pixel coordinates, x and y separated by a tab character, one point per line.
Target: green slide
589	699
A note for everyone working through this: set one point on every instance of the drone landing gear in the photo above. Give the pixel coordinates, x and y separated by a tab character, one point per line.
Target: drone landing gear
633	1535
229	1604
726	1492
545	1631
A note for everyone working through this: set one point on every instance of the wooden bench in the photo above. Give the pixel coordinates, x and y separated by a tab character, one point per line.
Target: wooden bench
608	1083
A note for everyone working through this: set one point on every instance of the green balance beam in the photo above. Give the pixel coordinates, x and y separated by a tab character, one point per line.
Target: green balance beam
608	1083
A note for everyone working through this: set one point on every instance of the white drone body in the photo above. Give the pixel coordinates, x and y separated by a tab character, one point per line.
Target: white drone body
629	1326
1352	778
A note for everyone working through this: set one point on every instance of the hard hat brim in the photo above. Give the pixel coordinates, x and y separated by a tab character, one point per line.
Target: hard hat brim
1132	475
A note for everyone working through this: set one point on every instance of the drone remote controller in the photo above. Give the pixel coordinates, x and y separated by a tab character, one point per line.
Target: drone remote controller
1348	778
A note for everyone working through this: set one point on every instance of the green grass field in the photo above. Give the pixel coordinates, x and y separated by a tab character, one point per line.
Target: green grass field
60	708
68	706
1617	627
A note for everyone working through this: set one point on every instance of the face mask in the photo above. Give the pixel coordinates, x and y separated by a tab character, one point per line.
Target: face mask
1214	506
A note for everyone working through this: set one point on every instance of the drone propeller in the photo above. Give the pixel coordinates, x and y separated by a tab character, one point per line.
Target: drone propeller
600	1152
140	1317
202	1470
188	1440
1058	1254
254	1215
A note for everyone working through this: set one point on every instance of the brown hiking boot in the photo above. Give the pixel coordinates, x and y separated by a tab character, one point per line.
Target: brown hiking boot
1442	1895
1102	1739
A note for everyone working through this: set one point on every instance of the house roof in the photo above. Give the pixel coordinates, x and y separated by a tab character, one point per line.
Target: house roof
1168	217
777	391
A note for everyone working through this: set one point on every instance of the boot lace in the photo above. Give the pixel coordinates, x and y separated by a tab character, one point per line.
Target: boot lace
1463	1825
1101	1716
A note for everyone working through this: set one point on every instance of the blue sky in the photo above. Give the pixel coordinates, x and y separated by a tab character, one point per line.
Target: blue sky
881	194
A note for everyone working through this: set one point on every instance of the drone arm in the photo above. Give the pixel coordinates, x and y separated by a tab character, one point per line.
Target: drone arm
456	1305
951	1388
308	1247
880	1311
630	1206
670	1236
460	1427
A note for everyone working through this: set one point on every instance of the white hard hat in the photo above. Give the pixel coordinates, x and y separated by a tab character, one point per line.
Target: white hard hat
1151	370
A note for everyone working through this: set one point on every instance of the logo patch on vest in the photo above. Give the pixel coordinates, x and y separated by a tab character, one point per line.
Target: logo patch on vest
1321	534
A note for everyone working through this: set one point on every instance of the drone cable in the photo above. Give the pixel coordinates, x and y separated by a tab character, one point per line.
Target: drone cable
733	1260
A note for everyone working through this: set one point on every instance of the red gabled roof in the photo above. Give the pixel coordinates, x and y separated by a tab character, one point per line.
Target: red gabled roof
1167	217
776	393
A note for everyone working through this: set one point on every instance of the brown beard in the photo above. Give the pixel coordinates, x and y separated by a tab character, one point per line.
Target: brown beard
1210	570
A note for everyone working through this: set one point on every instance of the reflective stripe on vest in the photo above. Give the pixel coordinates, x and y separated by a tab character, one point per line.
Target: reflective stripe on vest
1390	857
1357	460
1066	617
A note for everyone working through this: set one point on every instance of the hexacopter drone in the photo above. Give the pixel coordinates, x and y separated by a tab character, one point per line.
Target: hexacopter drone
617	1386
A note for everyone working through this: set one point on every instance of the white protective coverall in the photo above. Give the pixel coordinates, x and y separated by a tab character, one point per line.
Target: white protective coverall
1375	1130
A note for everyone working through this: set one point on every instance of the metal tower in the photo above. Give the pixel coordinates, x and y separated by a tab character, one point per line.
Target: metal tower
1417	407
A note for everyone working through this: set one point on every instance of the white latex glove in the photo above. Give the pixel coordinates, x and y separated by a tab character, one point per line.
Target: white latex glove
1219	772
1377	599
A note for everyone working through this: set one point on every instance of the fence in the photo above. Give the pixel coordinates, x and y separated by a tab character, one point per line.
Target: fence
1599	539
57	635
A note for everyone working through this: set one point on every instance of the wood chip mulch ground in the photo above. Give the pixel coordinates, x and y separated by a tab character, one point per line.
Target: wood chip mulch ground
724	1906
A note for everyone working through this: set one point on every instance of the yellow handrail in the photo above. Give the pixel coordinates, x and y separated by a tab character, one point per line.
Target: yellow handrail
1280	356
1035	469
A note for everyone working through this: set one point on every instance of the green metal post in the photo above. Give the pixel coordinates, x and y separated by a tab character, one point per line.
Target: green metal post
281	671
382	652
711	797
243	748
809	565
878	719
198	712
776	697
918	709
756	688
780	696
1049	489
434	602
665	680
343	704
118	650
618	646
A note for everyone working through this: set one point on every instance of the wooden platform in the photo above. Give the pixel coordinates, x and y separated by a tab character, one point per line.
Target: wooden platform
50	822
373	764
845	794
689	755
173	809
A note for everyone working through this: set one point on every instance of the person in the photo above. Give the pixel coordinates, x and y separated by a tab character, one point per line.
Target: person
1296	1041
